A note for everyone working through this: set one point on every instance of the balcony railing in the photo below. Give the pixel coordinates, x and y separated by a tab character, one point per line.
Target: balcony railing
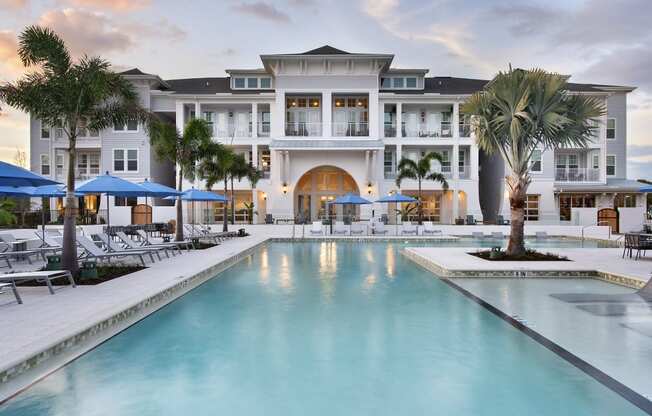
350	129
263	128
390	174
390	130
302	129
85	175
422	130
577	175
465	130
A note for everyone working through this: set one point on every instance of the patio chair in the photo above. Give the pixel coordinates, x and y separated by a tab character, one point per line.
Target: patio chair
316	228
470	220
13	288
497	235
118	246
6	254
14	242
131	244
429	229
339	228
197	234
477	234
358	228
638	243
92	251
379	228
541	234
40	276
409	228
145	241
500	220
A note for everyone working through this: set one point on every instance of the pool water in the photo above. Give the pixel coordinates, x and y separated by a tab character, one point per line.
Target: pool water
321	329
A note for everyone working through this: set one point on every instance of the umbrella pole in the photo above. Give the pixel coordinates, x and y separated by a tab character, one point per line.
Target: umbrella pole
146	233
108	223
43	220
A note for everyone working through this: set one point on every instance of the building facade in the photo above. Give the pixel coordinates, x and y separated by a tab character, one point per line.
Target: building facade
326	122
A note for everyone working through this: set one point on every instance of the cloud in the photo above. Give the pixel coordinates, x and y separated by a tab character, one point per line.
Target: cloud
13	4
115	5
10	64
626	65
87	32
262	10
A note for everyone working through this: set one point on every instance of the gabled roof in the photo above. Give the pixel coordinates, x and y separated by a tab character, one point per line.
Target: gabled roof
134	71
325	50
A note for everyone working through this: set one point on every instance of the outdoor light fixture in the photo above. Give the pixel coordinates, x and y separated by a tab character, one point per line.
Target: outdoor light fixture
369	188
285	188
264	196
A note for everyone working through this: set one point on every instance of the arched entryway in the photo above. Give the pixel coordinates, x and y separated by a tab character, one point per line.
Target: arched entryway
317	187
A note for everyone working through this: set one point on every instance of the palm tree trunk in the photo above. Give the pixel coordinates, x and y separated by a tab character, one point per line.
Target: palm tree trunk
69	257
232	202
179	230
517	197
225	222
420	207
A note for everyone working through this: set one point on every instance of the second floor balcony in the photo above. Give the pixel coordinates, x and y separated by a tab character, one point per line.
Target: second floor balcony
350	129
303	129
577	175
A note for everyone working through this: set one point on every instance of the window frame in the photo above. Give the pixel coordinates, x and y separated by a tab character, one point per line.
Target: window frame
43	127
615	164
125	160
41	164
532	162
125	130
529	211
245	82
404	82
614	128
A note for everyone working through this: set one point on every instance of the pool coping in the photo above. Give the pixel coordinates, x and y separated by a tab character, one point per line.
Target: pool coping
19	375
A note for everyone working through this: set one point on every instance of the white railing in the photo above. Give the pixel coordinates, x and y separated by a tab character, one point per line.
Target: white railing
424	131
231	131
302	129
263	128
577	175
350	129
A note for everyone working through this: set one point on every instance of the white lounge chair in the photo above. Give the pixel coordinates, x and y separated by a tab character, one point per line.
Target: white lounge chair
541	234
379	228
408	228
358	228
92	251
146	242
41	276
429	229
497	235
316	228
132	245
13	288
477	234
339	228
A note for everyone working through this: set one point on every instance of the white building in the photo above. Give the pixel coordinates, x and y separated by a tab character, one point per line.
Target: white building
326	122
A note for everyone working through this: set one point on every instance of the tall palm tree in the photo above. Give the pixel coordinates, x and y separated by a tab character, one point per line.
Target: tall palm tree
215	167
239	170
185	150
520	111
84	94
420	171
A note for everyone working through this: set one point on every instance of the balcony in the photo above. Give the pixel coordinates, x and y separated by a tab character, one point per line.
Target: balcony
263	128
350	129
577	175
390	130
221	131
303	129
424	131
465	130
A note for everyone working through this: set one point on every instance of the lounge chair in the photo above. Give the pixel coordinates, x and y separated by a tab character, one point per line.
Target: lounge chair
132	245
541	234
500	220
40	276
497	235
8	238
409	228
6	254
92	251
145	242
339	228
195	233
379	228
477	234
470	220
13	288
316	228
358	228
429	229
116	246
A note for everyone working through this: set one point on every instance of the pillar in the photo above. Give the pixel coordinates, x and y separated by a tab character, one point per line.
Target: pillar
475	161
277	114
327	114
374	114
455	166
254	120
367	166
456	120
197	110
399	120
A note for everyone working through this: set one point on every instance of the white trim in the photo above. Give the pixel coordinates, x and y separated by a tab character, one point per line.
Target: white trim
41	164
606	130
614	165
125	160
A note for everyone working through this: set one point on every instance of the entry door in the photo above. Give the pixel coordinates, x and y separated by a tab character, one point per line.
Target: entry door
608	216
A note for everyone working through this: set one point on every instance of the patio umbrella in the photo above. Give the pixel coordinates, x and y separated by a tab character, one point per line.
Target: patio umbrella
47	191
348	199
157	190
647	188
111	186
193	195
12	175
397	198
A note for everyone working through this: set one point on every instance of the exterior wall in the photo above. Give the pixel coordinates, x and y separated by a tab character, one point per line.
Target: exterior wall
617	108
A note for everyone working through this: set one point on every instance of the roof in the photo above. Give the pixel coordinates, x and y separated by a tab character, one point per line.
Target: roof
135	71
325	50
612	185
216	85
331	144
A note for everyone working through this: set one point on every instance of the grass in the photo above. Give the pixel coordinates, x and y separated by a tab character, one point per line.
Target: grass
105	272
529	255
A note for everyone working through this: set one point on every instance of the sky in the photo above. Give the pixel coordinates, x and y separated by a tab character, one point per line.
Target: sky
598	41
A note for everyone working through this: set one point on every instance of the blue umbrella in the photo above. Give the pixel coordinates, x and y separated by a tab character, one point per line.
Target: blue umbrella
398	198
12	175
647	188
114	186
348	199
157	190
199	195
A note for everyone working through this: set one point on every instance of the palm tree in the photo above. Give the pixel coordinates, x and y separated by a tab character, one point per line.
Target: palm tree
253	175
185	150
520	111
214	167
239	170
84	94
420	171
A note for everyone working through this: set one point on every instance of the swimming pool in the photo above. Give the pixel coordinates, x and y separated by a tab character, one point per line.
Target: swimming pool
320	329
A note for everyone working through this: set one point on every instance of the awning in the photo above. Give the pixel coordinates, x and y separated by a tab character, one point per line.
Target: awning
329	144
612	186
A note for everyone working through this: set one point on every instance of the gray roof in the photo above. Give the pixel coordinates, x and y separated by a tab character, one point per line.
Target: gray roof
325	50
612	185
332	144
135	71
215	85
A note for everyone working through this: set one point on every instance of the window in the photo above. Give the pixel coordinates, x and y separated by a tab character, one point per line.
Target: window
58	164
461	161
265	83
611	165
131	125
446	163
389	164
239	83
45	164
535	161
45	131
125	160
386	83
121	201
611	128
410	82
397	83
532	208
596	161
625	201
252	82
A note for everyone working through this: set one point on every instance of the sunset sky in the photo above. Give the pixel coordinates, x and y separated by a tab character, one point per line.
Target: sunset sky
601	41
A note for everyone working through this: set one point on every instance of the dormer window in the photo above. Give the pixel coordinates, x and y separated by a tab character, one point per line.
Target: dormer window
397	83
410	82
239	83
400	83
251	82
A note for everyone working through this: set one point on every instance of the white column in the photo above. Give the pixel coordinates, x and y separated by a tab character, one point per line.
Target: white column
197	110
456	120
288	178
399	119
455	167
180	116
254	156
399	154
456	205
367	166
475	161
254	119
277	115
327	114
374	165
374	114
278	165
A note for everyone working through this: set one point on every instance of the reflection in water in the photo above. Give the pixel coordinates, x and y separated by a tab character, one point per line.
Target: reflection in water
390	261
264	266
328	259
284	273
369	282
